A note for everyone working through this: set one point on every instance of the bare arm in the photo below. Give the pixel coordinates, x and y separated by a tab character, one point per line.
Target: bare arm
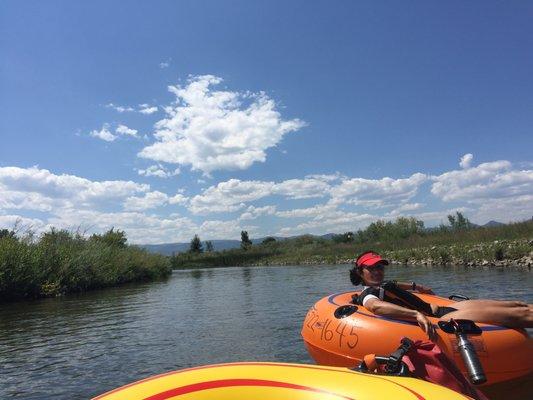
387	309
417	288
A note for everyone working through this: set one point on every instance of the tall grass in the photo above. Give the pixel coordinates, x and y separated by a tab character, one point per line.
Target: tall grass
63	262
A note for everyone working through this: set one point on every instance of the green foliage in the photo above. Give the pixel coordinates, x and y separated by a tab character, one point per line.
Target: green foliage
6	233
268	240
403	240
347	237
63	262
112	238
246	243
386	231
499	253
459	222
209	246
196	245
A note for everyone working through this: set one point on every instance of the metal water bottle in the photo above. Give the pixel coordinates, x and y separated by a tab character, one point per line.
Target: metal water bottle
471	360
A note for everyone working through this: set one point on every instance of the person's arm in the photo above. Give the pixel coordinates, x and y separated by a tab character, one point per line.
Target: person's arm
387	309
415	287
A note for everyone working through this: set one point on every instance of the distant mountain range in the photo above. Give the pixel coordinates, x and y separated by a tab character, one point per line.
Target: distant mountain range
168	249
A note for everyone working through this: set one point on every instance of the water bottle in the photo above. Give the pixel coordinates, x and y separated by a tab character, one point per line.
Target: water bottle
471	360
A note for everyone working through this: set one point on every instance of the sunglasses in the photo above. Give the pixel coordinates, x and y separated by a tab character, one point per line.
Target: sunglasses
379	267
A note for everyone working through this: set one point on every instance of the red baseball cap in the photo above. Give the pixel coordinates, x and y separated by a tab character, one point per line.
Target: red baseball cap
370	259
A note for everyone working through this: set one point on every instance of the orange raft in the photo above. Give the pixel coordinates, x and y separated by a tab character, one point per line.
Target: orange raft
338	333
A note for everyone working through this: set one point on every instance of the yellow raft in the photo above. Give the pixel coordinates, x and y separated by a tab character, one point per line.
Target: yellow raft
276	381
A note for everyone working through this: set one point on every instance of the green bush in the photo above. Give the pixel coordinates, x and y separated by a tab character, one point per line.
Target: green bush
62	262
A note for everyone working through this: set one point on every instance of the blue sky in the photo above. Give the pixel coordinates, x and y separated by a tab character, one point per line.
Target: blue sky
170	118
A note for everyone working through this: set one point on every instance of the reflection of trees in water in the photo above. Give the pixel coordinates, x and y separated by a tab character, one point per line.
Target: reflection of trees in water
247	276
197	273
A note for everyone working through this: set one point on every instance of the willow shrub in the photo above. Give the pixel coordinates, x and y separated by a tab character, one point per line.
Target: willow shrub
62	262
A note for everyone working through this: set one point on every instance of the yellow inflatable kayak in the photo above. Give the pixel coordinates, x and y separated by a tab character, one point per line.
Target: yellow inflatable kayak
276	381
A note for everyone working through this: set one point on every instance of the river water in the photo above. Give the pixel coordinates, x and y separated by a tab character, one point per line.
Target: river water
79	346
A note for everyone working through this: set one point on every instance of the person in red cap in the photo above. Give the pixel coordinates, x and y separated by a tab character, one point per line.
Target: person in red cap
369	270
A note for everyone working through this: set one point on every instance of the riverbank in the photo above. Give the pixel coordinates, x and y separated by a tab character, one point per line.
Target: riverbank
62	262
505	246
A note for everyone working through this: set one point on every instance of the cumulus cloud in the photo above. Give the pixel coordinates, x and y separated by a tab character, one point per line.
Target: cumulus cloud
147	109
217	130
103	134
106	134
301	188
488	180
144	108
331	221
233	195
404	209
124	130
21	224
120	109
39	189
149	200
327	177
140	227
377	193
309	212
229	196
255	212
517	208
466	160
158	171
224	229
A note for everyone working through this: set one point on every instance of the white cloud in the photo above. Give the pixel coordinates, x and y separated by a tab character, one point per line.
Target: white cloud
120	109
331	221
327	177
309	212
377	193
255	212
224	230
124	130
21	224
39	189
178	199
152	200
159	171
405	209
139	227
233	195
466	160
517	208
213	130
488	180
103	134
229	196
149	200
165	64
147	109
301	188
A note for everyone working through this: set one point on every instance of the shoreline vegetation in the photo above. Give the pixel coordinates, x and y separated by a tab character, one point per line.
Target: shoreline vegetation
61	262
404	241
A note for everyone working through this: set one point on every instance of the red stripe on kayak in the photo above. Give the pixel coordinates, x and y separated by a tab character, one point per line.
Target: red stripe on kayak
224	383
347	371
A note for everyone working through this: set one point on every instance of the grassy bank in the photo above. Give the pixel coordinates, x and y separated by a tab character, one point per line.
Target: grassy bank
510	244
61	262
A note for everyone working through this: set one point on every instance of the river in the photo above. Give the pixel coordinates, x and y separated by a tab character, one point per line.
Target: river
78	346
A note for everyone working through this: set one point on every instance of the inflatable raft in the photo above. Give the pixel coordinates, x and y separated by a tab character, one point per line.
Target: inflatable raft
336	332
276	381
